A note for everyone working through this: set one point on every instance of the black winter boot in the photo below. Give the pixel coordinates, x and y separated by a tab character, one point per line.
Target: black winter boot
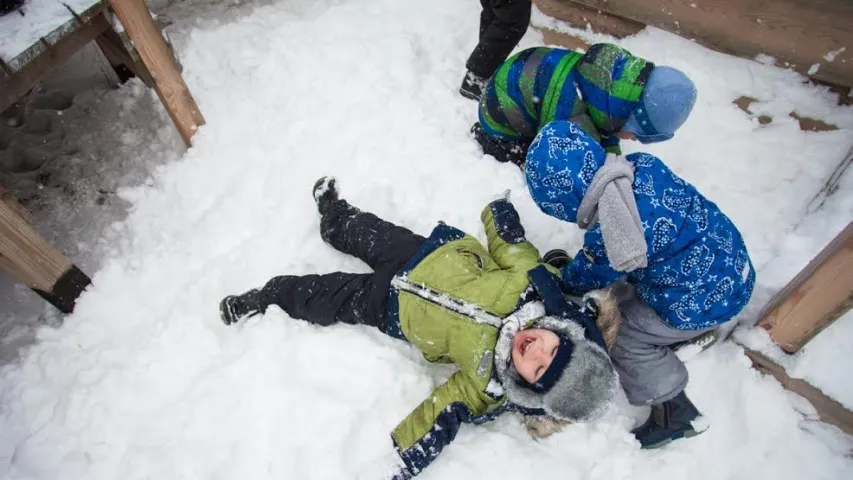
325	193
7	6
557	258
472	86
669	421
234	308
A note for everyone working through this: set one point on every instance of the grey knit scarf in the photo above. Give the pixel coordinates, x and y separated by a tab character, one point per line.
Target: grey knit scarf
610	200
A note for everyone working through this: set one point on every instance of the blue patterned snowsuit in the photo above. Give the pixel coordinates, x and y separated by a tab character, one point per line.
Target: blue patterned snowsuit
699	274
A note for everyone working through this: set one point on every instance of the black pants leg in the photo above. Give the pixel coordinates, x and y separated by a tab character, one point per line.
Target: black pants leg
347	297
503	151
507	22
378	243
487	16
335	297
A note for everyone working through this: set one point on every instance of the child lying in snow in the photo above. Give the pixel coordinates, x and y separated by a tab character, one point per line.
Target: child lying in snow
646	225
606	91
497	313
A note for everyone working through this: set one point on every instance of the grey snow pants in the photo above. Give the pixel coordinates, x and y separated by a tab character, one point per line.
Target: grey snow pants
648	368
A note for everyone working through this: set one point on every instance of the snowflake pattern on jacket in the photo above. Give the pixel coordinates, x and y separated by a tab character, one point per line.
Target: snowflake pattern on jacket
699	273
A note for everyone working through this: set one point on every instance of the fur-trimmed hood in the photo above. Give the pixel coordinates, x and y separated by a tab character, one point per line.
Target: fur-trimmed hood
587	385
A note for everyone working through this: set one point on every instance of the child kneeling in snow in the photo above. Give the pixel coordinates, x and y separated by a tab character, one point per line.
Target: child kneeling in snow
685	259
607	91
497	313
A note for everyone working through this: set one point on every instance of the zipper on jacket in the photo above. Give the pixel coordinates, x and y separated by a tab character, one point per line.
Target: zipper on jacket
443	300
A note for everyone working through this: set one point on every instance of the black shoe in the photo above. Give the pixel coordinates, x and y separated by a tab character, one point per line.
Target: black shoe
234	308
7	6
472	86
669	421
325	193
557	258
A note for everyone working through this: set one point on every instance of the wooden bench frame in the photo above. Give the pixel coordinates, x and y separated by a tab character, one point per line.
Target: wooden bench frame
26	254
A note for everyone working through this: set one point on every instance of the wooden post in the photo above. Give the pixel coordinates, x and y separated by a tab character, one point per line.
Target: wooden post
15	205
32	260
114	49
809	35
168	83
579	16
817	296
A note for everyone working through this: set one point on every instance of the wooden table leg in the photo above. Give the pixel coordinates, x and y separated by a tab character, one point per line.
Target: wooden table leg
114	49
32	260
817	296
168	83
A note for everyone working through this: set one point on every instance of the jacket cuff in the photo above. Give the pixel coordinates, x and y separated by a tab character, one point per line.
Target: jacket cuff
507	222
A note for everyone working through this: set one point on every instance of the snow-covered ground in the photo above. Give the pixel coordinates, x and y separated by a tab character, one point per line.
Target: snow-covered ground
144	381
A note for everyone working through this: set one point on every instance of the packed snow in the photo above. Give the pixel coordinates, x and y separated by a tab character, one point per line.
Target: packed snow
144	381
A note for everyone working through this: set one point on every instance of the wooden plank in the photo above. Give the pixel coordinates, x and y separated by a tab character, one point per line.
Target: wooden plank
579	16
22	80
801	33
829	410
15	205
118	54
818	295
168	83
564	40
33	261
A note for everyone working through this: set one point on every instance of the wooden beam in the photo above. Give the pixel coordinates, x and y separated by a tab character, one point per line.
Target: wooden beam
21	81
118	54
564	40
829	410
15	205
168	83
818	295
32	260
799	33
579	16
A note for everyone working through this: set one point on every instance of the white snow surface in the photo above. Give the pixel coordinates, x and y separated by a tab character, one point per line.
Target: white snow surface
820	364
823	361
144	381
18	32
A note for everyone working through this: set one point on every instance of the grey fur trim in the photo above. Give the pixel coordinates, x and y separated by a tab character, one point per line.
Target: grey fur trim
504	368
587	386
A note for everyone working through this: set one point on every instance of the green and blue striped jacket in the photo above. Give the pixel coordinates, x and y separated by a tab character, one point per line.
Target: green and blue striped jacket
595	90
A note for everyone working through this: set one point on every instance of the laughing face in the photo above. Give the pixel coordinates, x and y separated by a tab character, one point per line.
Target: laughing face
533	350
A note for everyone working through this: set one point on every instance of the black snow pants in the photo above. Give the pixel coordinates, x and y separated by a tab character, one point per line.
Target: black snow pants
354	298
502	24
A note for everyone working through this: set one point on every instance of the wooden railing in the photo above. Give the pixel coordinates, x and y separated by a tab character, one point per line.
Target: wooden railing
814	37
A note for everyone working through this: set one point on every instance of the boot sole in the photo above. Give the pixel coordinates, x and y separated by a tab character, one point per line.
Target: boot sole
469	95
690	433
223	308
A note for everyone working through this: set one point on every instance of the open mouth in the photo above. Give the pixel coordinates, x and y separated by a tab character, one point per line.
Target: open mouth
524	344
